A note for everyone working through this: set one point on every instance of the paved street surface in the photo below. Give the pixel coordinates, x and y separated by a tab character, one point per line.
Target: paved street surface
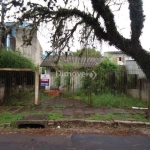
15	141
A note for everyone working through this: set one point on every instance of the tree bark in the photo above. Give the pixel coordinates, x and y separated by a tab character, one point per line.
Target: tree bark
148	111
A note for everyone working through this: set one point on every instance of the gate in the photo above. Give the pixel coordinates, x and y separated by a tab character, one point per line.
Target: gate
16	84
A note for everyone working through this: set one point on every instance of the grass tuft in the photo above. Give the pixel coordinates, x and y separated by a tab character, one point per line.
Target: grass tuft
8	117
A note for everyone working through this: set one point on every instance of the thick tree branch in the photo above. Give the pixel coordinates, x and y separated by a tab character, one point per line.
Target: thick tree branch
114	37
104	11
137	18
87	18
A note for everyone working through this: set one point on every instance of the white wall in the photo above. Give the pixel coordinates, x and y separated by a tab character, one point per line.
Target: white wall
133	68
34	51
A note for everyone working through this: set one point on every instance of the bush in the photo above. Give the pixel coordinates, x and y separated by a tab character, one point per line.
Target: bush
10	59
108	65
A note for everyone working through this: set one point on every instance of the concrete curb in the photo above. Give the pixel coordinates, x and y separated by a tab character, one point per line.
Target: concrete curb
81	122
5	125
131	123
33	122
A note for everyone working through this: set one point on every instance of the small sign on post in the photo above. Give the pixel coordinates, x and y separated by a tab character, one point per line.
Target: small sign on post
44	80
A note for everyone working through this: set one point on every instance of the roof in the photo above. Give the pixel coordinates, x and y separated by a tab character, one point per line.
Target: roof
23	25
114	52
13	29
85	62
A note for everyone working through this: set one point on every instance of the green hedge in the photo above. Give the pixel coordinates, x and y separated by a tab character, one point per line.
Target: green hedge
11	59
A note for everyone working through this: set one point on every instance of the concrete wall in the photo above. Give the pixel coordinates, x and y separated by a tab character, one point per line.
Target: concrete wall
115	57
136	93
133	68
75	80
34	51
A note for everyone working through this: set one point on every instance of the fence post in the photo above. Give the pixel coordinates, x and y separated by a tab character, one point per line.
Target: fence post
36	86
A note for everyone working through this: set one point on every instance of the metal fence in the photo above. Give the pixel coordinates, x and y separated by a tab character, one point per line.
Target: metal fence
18	83
15	83
103	81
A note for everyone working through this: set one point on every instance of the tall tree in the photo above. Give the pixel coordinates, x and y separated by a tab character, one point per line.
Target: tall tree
87	52
88	21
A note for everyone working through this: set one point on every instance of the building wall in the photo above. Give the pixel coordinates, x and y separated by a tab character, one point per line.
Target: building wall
75	79
119	58
141	94
133	68
34	51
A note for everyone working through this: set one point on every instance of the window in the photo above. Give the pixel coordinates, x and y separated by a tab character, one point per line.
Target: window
119	58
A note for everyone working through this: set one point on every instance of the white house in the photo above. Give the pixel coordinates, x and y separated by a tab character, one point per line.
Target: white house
76	72
122	59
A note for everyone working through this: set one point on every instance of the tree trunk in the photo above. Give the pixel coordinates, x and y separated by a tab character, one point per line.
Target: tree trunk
148	111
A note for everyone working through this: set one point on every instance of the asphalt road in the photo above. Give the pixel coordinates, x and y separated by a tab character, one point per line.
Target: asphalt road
15	141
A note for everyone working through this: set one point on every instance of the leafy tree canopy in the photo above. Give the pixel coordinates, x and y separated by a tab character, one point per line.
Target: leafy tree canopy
10	59
87	52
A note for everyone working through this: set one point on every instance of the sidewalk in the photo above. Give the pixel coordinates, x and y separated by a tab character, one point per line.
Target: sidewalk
48	116
58	111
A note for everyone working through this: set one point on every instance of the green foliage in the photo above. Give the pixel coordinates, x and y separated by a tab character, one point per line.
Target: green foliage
87	52
54	116
67	81
109	78
44	96
10	59
108	65
69	66
57	81
43	70
8	117
19	97
101	83
110	100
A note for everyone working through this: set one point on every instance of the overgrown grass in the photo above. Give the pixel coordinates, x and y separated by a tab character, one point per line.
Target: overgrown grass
44	96
59	107
24	97
8	117
122	100
107	117
118	116
55	116
110	100
20	99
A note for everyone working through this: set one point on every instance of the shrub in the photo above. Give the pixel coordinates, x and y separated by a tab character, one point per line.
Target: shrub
108	65
10	59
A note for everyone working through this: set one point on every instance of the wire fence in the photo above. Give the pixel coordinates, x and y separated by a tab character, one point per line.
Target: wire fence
100	81
15	84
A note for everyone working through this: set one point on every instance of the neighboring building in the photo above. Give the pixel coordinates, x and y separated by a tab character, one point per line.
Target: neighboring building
122	59
14	41
56	70
117	56
133	68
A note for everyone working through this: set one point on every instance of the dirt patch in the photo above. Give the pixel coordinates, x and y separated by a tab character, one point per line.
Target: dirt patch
21	110
13	109
35	117
82	130
59	101
67	112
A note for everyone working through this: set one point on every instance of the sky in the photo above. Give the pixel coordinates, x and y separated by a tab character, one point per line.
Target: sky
145	40
122	22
